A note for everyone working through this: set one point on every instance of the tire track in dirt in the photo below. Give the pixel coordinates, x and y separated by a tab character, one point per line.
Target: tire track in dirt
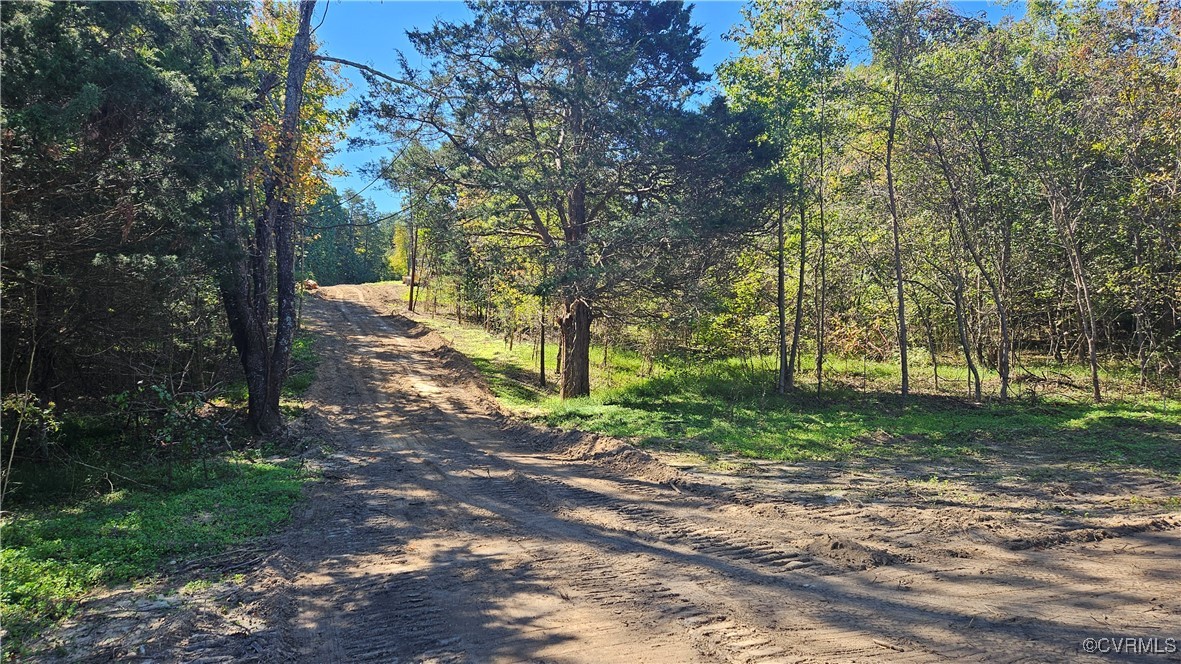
446	539
608	576
443	532
414	608
656	524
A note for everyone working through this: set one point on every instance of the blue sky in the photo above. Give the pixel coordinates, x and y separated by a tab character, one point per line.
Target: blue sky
374	32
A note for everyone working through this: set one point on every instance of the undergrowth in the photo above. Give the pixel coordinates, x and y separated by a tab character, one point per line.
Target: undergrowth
714	406
53	555
120	497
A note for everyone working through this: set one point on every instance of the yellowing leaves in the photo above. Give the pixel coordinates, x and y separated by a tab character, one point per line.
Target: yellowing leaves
273	26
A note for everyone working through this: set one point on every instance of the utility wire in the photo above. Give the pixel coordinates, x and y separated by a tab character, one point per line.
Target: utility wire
380	174
405	209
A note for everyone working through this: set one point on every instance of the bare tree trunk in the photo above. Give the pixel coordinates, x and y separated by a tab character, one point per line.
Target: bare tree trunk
249	336
561	352
1143	337
783	380
997	284
932	350
544	304
1082	291
1055	335
575	325
823	259
283	196
541	343
895	102
245	288
412	238
1001	297
929	329
260	418
962	328
796	328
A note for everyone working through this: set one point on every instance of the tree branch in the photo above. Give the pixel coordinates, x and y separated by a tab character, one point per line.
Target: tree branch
370	70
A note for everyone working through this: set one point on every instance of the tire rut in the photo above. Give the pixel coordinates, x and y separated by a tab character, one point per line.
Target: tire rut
452	539
605	577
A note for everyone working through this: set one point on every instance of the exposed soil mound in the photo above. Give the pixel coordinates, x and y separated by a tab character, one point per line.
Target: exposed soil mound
844	552
618	455
1093	534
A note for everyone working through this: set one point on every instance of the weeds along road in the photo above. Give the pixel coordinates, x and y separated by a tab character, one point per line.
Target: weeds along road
444	532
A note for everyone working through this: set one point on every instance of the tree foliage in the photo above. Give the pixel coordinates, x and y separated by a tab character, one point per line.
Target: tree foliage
346	241
567	137
1006	192
120	126
138	142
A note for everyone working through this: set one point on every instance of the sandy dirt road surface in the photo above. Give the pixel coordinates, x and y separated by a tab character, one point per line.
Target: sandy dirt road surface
443	531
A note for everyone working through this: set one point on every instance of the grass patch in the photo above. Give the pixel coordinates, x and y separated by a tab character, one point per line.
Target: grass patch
303	365
730	406
113	511
52	556
733	413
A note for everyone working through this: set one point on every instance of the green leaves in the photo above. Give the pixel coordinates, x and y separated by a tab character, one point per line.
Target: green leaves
52	557
790	64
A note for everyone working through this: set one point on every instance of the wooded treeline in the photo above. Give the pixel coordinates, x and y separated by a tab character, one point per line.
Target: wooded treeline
163	173
880	180
874	180
347	241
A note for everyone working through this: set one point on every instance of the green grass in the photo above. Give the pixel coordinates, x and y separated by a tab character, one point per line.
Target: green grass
54	555
303	366
733	413
77	527
729	406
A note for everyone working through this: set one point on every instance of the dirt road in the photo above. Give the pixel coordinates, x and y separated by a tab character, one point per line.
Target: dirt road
443	532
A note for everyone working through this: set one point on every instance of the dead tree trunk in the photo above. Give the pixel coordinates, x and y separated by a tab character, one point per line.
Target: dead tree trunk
576	319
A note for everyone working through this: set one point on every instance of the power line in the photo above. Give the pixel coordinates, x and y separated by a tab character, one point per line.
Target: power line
380	174
405	209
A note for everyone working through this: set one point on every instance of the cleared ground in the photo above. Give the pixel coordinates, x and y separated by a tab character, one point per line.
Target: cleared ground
443	531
